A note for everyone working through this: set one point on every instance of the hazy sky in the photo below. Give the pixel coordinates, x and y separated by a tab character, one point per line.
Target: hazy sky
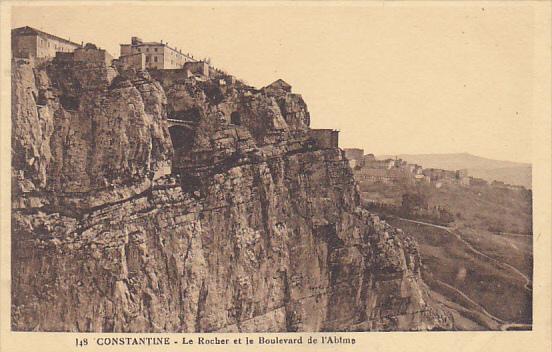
392	79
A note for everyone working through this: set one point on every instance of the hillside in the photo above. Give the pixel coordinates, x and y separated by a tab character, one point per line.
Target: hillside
473	272
506	171
475	259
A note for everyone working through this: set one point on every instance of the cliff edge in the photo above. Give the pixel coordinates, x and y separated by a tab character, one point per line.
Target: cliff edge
167	202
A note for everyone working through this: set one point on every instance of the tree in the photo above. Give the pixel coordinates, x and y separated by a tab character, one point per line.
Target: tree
414	201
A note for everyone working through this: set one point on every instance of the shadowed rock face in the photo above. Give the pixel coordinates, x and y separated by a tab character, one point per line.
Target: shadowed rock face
255	228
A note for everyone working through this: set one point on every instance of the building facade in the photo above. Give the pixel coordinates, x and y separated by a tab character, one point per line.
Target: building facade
197	68
158	55
278	87
137	61
27	42
91	53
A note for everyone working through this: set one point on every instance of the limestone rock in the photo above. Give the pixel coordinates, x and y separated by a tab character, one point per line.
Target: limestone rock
252	229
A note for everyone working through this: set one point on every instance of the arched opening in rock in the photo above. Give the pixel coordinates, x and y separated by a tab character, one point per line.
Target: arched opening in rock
69	103
181	137
235	118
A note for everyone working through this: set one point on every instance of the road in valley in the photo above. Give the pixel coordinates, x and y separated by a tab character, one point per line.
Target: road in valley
471	248
504	326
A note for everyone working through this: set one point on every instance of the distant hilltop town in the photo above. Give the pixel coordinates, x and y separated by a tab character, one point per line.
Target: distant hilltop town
368	171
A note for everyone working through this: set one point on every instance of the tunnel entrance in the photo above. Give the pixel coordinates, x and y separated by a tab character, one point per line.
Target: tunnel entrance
69	103
181	137
235	118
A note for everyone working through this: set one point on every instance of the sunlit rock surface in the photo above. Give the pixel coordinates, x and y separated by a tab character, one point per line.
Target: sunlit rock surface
153	201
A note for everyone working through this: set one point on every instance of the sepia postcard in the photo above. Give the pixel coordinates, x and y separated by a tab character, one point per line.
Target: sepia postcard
271	176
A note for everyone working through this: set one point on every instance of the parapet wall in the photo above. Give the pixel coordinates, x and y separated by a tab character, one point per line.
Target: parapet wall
64	57
168	77
93	55
136	61
199	67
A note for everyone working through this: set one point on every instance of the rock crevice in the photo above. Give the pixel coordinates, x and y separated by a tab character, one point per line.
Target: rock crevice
124	222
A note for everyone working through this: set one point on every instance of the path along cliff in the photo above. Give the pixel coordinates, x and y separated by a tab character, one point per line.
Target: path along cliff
234	219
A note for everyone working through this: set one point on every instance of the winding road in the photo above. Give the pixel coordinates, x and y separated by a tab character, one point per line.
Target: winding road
481	309
504	326
471	248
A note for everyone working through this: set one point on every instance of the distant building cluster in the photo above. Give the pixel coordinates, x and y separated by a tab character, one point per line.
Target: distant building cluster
369	170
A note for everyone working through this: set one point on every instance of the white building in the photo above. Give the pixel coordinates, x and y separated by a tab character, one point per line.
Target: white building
158	55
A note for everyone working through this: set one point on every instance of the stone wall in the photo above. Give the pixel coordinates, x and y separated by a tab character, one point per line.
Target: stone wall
136	61
325	138
170	77
24	46
199	68
90	53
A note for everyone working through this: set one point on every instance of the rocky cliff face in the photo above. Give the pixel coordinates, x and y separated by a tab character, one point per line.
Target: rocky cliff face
149	203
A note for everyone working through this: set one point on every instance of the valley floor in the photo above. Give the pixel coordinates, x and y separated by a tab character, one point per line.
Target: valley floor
482	277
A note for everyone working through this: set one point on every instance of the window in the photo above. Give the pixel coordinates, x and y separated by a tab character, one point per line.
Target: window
155	58
139	50
155	49
147	50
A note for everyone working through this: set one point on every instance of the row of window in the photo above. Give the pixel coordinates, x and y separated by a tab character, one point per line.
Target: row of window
154	59
49	44
155	50
147	49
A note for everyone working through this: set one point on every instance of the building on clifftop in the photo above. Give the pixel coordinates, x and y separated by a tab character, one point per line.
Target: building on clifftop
278	87
27	42
158	55
91	53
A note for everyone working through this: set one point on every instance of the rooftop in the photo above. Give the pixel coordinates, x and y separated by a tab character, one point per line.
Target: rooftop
139	42
33	31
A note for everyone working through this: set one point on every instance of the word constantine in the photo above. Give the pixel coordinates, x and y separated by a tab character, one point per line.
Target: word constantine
216	340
